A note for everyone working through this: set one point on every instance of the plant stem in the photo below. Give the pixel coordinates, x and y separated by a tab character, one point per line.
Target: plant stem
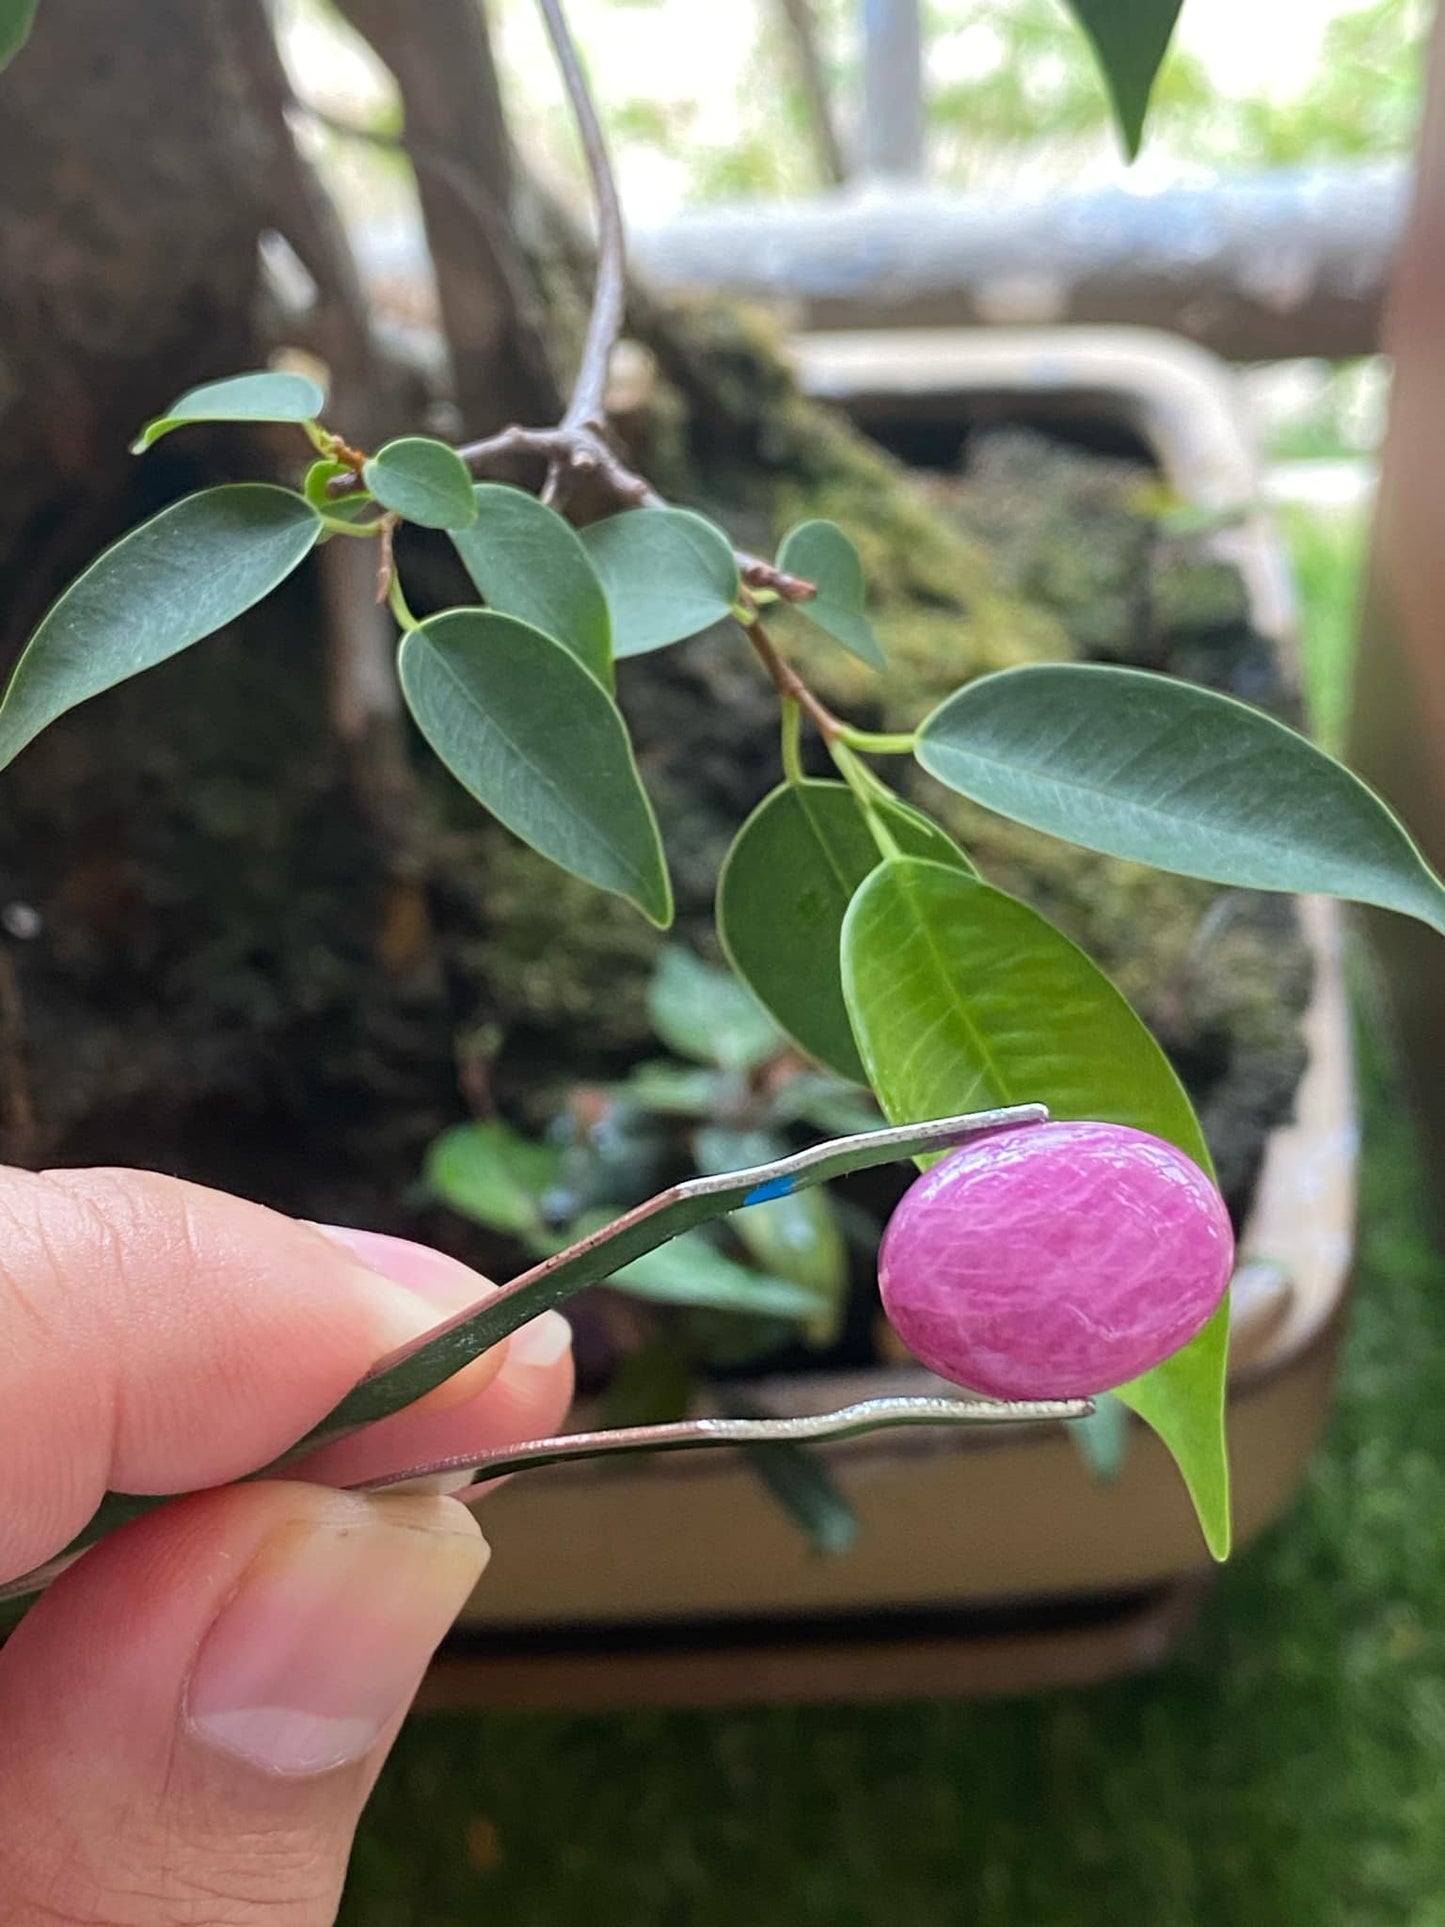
792	740
868	789
397	603
586	408
871	743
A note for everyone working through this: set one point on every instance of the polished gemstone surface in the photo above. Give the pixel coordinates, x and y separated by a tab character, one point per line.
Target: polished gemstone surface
1055	1260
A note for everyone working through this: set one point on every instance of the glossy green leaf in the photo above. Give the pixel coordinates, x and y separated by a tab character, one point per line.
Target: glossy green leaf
961	998
795	1236
537	741
177	578
423	481
692	1271
705	1013
526	561
821	553
1159	771
801	1483
784	890
491	1173
1130	39
270	396
17	17
667	574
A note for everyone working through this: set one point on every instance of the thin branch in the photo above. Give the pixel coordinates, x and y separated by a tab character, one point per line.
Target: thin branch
587	407
791	687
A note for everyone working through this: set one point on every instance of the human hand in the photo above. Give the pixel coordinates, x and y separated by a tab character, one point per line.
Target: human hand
193	1715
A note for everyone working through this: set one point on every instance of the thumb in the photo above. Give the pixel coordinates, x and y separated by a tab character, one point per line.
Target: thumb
192	1717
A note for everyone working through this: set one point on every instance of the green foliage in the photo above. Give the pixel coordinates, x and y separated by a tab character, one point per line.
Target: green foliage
1158	771
265	397
706	1014
423	481
1130	39
668	575
526	561
536	739
354	506
795	1236
782	896
174	580
962	998
802	1485
495	1176
17	17
821	553
690	1270
857	929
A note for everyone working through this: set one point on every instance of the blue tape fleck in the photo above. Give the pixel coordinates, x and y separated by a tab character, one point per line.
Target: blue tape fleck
774	1188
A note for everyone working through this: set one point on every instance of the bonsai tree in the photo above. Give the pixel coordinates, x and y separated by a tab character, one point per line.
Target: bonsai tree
862	929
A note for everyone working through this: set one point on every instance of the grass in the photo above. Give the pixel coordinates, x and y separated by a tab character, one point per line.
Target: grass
1286	1770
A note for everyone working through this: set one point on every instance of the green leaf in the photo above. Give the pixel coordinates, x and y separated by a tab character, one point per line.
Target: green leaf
962	997
1156	770
692	1271
181	576
493	1174
803	1486
266	397
795	1236
821	553
424	482
17	17
672	1090
1130	39
538	742
705	1013
651	1386
526	561
784	890
1102	1439
354	506
667	574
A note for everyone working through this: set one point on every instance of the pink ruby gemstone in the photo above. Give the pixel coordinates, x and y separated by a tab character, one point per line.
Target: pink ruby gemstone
1055	1260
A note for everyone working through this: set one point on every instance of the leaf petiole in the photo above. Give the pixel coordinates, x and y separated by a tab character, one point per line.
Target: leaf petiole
397	603
792	740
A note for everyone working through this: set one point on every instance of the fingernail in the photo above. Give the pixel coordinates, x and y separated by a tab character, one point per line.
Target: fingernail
542	1341
323	1641
444	1281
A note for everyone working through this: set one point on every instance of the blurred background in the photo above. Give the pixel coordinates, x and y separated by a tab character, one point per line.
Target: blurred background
891	268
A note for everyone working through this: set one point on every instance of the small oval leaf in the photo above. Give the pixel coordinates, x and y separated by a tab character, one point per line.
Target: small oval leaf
17	17
1159	771
526	561
821	553
269	396
667	574
784	890
692	1271
536	739
494	1175
705	1013
962	998
423	481
177	578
